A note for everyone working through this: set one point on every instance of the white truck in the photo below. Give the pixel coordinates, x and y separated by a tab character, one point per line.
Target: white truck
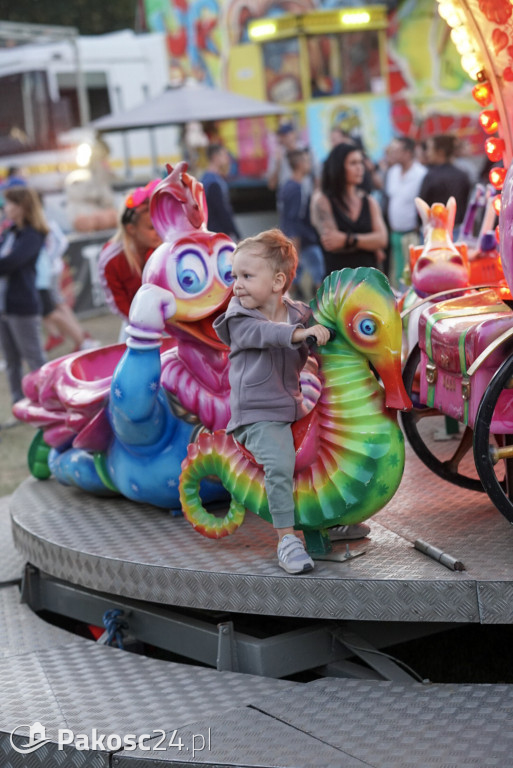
40	109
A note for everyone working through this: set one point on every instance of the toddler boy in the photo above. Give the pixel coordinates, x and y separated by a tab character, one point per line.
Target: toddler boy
266	332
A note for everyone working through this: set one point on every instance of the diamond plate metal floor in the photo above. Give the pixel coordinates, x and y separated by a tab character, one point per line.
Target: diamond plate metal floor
22	631
128	711
184	715
11	561
140	552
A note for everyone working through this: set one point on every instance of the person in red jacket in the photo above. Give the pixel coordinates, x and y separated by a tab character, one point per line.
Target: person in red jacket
122	259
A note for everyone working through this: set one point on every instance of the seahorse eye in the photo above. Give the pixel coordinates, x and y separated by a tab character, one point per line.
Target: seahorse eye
367	326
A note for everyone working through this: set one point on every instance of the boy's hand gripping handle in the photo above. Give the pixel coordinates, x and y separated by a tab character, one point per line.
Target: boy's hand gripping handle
311	340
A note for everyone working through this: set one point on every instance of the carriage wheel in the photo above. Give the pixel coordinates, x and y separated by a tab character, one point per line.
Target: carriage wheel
494	455
420	424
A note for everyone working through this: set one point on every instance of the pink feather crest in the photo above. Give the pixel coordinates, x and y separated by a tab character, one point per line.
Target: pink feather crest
178	203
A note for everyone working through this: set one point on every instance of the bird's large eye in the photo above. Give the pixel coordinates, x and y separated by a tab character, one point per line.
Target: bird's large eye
191	272
224	265
367	326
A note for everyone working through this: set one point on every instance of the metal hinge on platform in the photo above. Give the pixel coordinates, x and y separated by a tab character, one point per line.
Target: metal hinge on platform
227	660
465	389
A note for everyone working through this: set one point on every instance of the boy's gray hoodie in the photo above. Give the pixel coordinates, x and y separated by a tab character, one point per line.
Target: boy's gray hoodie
264	363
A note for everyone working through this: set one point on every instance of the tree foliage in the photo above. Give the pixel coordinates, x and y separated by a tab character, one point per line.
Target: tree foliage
91	17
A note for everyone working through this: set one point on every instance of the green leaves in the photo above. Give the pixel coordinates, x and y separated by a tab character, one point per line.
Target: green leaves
91	17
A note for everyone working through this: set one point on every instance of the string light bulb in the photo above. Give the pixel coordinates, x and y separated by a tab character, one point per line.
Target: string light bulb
497	204
497	176
461	40
450	13
494	149
482	93
489	120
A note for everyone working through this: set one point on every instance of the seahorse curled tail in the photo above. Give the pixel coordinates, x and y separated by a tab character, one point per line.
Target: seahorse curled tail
218	454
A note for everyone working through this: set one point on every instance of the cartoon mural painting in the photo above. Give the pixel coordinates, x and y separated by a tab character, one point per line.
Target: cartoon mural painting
193	34
424	92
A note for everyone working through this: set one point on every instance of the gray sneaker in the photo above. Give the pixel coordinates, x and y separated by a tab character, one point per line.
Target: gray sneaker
349	532
292	556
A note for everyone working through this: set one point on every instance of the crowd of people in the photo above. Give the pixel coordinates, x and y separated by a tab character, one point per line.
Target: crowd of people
352	212
348	212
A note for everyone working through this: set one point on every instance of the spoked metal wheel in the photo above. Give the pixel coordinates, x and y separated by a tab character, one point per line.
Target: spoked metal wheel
493	455
448	456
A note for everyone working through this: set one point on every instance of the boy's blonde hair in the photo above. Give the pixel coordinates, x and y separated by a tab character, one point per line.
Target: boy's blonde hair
278	249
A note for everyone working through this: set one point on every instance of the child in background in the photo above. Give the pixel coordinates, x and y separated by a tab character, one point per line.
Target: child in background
267	333
59	320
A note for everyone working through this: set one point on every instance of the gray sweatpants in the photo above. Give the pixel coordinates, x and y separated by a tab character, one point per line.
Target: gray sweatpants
20	336
272	445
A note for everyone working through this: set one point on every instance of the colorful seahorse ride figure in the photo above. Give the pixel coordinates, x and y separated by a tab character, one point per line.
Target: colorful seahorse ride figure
350	450
119	420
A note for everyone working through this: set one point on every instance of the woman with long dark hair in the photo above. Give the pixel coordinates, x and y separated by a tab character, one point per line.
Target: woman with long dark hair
349	222
20	308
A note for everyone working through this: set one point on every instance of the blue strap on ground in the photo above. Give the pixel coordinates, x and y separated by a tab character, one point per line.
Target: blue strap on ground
114	625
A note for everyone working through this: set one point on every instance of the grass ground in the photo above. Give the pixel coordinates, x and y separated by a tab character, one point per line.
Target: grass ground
15	441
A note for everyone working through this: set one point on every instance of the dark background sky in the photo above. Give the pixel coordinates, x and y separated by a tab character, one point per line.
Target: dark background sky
94	17
91	17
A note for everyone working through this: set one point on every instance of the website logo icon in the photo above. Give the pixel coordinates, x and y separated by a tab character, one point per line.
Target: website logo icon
36	738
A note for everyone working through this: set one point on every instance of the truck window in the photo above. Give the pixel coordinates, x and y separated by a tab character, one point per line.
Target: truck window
360	62
282	70
97	94
25	109
345	63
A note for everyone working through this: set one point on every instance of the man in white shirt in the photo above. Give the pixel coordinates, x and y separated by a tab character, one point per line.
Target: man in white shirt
402	186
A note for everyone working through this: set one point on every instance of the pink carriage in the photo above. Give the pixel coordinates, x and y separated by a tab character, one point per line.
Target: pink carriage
460	379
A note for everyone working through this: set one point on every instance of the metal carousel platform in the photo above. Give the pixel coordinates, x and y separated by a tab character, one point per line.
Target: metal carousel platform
226	605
